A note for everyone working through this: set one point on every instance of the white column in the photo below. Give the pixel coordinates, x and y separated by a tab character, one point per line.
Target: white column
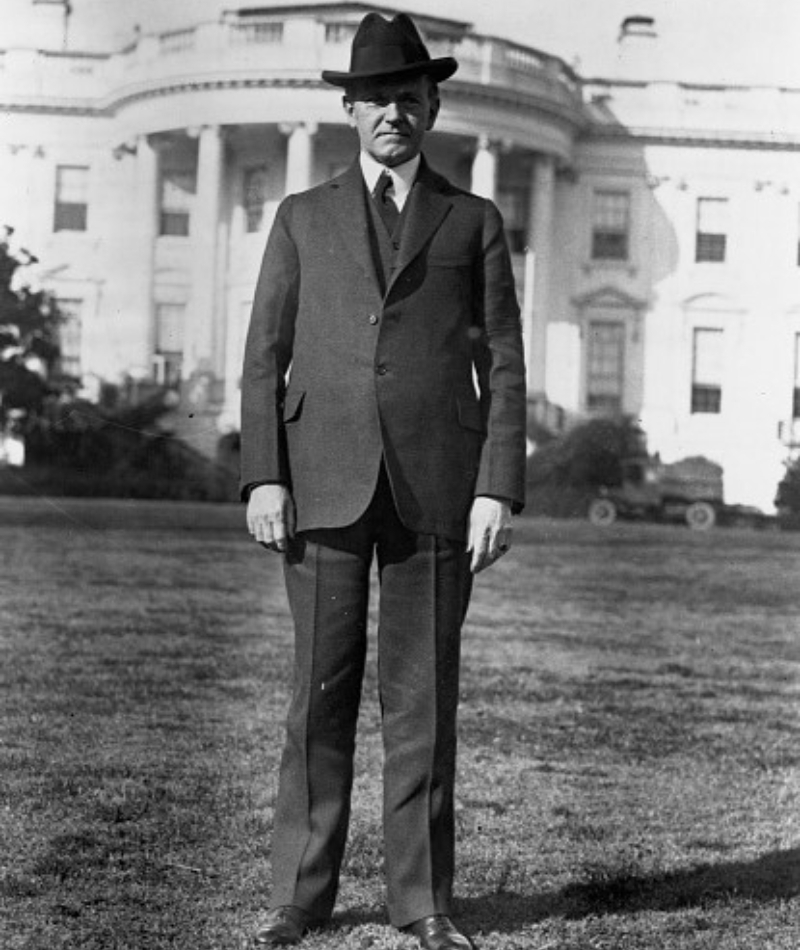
199	338
484	169
146	225
235	336
536	305
299	155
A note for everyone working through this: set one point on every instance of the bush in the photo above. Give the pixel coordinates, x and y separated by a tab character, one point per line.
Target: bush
586	457
29	333
564	475
79	449
787	500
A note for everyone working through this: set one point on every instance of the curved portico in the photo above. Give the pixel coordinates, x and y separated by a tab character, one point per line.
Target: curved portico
204	130
236	112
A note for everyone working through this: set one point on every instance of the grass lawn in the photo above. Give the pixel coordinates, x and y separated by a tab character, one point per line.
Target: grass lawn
630	738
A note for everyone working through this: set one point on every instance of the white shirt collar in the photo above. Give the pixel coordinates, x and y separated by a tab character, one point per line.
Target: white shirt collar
403	176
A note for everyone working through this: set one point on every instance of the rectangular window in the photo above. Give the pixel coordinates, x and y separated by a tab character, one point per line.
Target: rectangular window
796	388
69	336
72	192
178	189
605	367
707	363
255	195
611	214
169	343
712	230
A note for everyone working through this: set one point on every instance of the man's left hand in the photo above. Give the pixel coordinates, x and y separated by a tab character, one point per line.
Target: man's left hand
489	531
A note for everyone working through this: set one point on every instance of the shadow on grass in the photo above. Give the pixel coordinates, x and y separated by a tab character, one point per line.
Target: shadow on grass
361	916
773	877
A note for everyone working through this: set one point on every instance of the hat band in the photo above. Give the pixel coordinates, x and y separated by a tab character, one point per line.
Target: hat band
376	59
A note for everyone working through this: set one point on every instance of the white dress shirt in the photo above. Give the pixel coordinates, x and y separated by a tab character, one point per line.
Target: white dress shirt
403	176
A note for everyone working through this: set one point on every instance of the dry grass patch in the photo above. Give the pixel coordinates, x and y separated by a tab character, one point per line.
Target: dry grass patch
630	764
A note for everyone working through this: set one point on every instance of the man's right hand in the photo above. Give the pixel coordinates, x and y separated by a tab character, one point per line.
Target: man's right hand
271	516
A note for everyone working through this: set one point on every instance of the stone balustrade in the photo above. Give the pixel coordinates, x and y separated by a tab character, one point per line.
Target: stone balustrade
293	49
296	48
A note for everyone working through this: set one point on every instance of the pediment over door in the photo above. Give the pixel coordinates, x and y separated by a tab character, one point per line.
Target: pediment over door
609	298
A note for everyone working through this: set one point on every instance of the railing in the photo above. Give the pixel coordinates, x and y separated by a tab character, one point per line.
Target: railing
339	33
301	46
64	65
256	33
52	76
701	113
177	41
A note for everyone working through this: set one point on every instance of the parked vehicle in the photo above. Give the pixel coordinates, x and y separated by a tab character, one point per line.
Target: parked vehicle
689	490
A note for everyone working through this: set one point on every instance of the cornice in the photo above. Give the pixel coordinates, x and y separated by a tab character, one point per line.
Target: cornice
55	108
700	138
570	114
171	87
571	117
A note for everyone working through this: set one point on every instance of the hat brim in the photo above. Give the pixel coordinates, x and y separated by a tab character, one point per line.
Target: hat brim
437	69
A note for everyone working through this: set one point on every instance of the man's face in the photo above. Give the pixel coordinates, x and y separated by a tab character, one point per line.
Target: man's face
392	116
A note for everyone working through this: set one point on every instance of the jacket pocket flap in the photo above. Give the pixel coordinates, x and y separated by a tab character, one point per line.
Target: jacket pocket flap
293	404
469	415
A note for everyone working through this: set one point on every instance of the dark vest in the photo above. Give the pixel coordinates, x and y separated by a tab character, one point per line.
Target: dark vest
384	246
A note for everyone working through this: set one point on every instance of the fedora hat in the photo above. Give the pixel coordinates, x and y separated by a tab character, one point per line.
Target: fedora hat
391	48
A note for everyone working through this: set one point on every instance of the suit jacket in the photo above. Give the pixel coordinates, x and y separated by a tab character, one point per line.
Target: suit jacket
425	371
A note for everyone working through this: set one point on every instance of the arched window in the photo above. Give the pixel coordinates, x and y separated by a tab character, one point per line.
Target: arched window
707	369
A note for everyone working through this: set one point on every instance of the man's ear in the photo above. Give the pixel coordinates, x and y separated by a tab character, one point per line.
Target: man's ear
347	105
435	103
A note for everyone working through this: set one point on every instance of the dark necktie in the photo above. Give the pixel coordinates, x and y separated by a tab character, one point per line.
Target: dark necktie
386	206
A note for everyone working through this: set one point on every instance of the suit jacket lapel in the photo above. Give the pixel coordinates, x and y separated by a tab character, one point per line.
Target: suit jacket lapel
427	208
349	211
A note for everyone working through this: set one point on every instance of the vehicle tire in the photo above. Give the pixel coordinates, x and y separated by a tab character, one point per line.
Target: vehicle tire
700	516
602	512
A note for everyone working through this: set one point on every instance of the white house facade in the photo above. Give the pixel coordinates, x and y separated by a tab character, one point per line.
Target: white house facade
655	226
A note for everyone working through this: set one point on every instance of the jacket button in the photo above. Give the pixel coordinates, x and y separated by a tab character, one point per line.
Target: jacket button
373	319
382	370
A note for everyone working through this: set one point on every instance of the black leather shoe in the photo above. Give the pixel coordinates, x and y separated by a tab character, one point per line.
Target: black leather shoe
285	926
439	933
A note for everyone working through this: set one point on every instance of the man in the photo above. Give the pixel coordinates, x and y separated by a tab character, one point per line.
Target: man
384	295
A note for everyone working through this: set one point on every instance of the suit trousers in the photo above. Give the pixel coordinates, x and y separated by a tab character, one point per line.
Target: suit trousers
425	584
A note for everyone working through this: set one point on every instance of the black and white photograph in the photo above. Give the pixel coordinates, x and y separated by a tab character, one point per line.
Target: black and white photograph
400	475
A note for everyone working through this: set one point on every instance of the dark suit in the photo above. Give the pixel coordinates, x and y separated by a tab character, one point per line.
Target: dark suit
384	442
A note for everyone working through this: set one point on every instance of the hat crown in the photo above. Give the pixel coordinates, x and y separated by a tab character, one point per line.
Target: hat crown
390	44
390	48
